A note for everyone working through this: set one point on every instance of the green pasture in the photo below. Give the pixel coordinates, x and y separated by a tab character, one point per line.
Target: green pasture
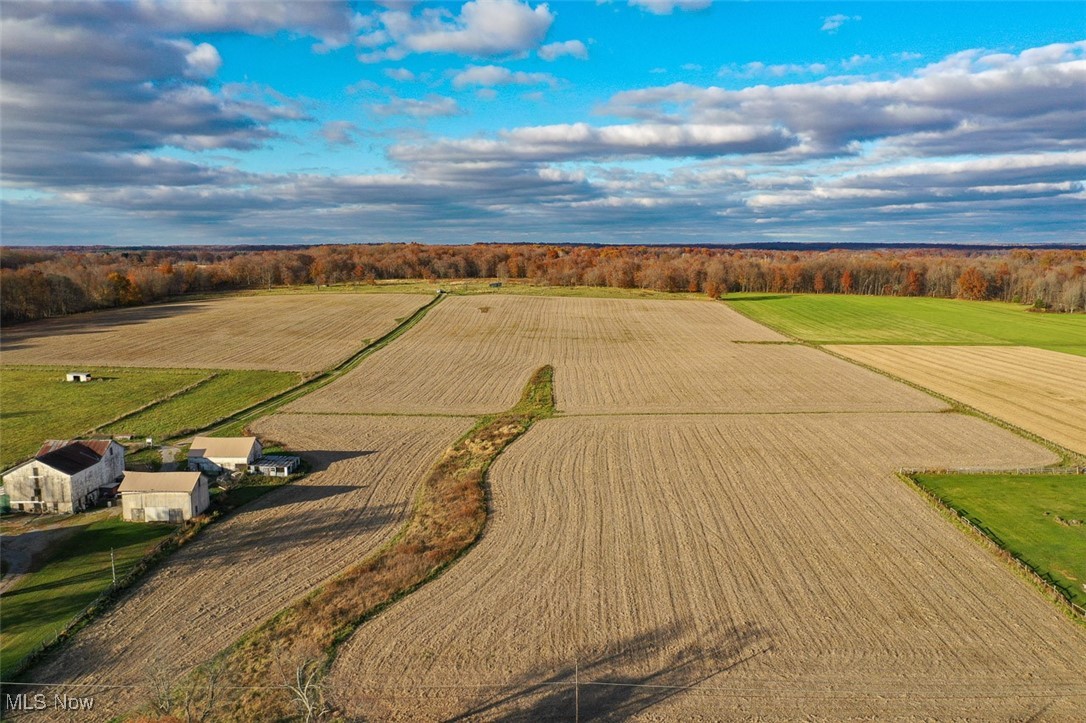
37	404
43	601
1041	519
845	319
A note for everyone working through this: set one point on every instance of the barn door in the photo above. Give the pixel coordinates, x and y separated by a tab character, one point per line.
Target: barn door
176	516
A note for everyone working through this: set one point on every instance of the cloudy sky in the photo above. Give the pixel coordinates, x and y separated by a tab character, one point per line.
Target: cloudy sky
674	121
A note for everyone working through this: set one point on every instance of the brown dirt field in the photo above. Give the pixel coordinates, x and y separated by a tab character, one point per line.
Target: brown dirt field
724	567
1040	391
301	332
610	355
241	571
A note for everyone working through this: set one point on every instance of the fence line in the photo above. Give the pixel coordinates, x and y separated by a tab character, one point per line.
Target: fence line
993	470
1045	580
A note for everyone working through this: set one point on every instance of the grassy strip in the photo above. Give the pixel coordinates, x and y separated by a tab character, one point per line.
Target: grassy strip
1042	581
83	562
205	404
45	605
449	513
1038	519
37	403
852	319
236	423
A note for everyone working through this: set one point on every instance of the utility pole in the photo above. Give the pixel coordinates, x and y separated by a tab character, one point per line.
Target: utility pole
576	691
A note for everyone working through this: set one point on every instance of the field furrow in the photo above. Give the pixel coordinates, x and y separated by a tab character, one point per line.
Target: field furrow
470	355
248	567
285	332
1043	392
684	567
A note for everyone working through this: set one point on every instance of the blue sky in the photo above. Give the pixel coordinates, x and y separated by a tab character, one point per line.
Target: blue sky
674	121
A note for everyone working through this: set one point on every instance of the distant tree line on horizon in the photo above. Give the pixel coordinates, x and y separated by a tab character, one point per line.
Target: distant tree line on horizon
41	283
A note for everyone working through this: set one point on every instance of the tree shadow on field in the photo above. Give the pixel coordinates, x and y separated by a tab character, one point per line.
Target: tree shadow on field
627	679
22	336
321	459
761	297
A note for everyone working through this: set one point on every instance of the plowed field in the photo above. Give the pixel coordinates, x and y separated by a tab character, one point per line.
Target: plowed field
248	567
708	568
1041	391
470	355
302	332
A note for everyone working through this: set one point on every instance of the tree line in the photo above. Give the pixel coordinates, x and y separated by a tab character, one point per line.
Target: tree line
41	283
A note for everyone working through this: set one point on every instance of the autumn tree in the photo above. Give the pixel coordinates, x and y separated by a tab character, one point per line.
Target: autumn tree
972	285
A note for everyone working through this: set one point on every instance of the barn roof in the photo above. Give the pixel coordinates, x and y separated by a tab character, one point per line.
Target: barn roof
209	447
159	482
70	456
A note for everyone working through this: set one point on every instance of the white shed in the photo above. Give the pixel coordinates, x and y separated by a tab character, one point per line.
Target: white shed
163	496
216	454
77	377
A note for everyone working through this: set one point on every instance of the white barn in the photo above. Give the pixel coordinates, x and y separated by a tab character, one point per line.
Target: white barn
218	454
65	475
163	496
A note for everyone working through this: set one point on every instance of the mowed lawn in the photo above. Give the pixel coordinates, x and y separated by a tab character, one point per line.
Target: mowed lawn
37	404
1040	518
42	602
215	399
846	319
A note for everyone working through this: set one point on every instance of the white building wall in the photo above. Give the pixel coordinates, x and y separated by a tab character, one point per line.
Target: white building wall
70	493
156	506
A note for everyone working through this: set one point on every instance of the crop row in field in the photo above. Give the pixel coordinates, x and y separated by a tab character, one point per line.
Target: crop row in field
722	566
471	354
836	319
276	332
1043	392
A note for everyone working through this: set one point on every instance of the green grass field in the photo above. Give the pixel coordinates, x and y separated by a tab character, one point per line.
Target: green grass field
225	393
839	319
1033	515
41	603
37	404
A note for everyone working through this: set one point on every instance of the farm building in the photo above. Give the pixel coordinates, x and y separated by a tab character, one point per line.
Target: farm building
276	465
218	454
77	377
163	496
65	475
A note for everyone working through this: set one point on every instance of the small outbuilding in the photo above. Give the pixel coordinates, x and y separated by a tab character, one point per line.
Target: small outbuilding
223	454
276	465
77	377
163	496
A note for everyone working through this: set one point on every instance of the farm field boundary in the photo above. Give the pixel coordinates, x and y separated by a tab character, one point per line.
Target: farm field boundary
237	422
970	522
1040	391
448	516
36	398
